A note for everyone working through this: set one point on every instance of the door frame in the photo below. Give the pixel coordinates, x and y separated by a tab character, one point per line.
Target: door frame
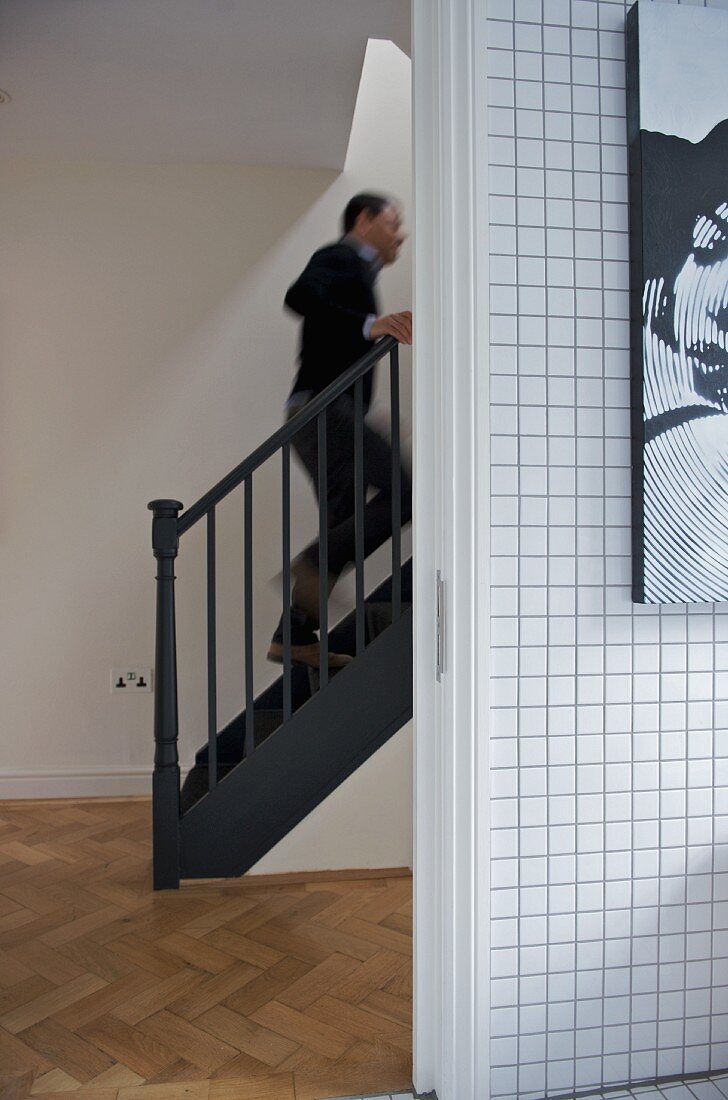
451	534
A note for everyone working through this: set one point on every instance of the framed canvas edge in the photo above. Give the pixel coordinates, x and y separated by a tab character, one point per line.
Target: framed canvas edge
636	331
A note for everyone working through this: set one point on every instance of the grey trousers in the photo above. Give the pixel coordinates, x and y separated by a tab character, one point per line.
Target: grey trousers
340	484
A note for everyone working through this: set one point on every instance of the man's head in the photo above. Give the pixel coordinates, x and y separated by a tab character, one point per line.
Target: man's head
377	221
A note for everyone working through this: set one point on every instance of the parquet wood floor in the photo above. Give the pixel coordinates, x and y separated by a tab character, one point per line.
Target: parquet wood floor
252	989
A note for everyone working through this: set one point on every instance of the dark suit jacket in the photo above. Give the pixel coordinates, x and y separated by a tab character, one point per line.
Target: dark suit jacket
334	295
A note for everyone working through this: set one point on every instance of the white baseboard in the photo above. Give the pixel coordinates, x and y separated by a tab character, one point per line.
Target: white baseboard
98	782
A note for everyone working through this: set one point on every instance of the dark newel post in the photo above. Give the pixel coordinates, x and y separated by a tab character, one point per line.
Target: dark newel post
165	542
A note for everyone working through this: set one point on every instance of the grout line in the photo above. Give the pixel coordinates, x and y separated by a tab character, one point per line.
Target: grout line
519	881
713	722
604	581
577	567
548	750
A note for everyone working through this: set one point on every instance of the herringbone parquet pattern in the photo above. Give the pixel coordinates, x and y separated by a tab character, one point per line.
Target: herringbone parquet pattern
245	990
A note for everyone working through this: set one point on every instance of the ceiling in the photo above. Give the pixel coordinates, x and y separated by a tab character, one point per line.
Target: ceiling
238	81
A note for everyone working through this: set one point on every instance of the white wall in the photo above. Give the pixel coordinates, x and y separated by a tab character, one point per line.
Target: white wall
609	918
366	822
145	352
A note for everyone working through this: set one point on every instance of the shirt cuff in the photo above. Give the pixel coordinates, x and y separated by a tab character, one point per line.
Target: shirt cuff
367	329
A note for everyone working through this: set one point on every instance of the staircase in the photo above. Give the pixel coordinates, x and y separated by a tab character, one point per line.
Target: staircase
260	775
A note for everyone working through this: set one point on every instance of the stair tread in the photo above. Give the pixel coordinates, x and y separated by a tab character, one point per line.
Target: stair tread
196	782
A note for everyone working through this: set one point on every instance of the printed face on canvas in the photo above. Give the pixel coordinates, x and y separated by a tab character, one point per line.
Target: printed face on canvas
701	305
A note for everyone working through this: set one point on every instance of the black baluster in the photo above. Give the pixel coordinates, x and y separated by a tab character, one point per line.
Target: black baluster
396	488
286	532
248	539
211	655
323	551
359	512
165	783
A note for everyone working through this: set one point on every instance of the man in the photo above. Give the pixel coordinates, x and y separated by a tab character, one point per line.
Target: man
335	297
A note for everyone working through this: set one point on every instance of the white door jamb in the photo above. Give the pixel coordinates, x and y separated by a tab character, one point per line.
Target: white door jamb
452	501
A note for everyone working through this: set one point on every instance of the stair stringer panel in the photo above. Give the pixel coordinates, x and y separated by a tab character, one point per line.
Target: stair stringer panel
230	739
297	767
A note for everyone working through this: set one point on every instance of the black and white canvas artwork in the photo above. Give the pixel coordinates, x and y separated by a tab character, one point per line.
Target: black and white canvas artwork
677	112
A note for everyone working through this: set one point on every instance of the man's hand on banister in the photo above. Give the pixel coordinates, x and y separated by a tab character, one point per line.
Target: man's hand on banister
398	325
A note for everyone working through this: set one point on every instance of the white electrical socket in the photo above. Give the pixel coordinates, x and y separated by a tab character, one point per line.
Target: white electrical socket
131	681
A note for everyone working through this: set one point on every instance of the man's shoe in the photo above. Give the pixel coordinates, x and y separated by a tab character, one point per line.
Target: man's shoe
309	655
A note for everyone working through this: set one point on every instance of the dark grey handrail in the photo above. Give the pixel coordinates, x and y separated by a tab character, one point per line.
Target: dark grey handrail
284	434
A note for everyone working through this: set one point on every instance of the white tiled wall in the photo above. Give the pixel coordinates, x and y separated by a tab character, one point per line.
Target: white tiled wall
610	721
